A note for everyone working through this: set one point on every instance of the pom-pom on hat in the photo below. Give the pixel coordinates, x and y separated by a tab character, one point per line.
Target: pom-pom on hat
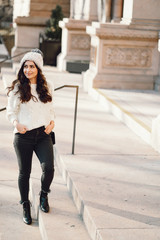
35	55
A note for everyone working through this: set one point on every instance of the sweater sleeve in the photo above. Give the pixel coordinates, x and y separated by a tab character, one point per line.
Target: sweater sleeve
13	105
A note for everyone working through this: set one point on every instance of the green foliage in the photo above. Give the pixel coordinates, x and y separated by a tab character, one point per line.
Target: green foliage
53	31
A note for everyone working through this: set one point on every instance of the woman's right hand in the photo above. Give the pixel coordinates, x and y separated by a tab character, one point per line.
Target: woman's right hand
20	127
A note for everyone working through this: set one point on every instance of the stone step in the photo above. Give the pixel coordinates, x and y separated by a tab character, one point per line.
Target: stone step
63	221
136	109
11	223
112	176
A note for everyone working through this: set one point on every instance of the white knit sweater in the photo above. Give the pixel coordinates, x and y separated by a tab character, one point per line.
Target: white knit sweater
32	114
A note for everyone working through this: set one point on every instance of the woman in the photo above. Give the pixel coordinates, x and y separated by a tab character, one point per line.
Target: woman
30	110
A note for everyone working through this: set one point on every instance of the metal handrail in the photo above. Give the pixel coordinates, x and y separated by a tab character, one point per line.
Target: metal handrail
2	109
75	111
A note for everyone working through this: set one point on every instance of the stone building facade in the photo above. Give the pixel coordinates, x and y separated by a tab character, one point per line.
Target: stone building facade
123	43
29	18
117	38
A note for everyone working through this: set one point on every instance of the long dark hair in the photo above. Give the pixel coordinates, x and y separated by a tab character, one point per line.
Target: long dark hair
24	89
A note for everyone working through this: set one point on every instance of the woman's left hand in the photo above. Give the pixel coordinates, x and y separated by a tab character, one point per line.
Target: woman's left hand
49	128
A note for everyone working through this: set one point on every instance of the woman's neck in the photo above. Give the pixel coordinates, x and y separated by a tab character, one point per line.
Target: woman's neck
33	80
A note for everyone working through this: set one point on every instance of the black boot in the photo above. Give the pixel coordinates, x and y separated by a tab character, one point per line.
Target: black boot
27	213
44	206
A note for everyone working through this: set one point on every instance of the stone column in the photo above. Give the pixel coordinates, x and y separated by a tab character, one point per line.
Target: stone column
27	34
155	133
117	9
104	10
72	10
75	53
157	78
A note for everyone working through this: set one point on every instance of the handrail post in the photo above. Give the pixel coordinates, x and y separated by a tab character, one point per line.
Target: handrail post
75	112
75	118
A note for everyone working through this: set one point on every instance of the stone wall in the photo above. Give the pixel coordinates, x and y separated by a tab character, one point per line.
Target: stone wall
43	8
39	8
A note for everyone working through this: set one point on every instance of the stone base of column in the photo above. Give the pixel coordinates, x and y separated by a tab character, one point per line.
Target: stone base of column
116	81
67	63
122	58
75	53
27	34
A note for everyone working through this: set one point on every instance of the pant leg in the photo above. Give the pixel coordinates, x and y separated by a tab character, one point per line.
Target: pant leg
24	151
44	152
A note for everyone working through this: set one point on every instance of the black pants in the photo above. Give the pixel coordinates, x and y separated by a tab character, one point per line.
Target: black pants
39	142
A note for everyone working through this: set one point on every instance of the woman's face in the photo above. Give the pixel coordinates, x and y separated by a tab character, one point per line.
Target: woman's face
30	71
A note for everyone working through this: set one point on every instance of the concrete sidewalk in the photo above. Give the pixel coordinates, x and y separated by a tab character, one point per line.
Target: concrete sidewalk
114	176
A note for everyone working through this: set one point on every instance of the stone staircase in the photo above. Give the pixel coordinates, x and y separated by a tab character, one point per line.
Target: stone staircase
136	109
112	178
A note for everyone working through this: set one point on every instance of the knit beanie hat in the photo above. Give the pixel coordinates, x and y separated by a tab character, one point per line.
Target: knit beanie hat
34	55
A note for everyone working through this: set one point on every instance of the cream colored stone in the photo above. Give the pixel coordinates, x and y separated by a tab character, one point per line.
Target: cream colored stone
151	9
75	42
104	10
27	34
21	8
117	10
30	18
81	9
144	12
122	57
155	134
93	15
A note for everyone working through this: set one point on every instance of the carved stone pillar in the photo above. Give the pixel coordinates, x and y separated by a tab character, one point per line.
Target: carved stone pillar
125	56
104	10
75	53
122	58
27	34
157	78
83	9
117	9
72	10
